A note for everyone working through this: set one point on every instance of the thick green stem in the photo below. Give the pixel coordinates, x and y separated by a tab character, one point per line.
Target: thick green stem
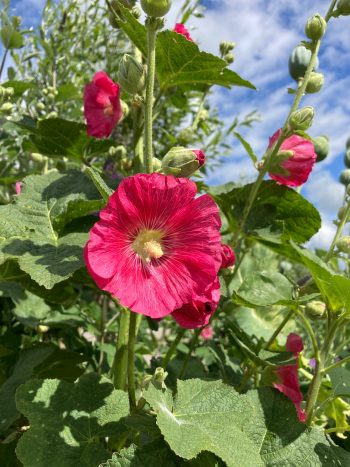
120	363
131	360
137	113
279	328
173	347
336	364
338	233
151	26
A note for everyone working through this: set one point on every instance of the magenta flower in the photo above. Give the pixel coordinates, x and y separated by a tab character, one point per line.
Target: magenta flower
102	106
181	29
198	312
294	161
288	382
207	333
228	257
200	156
156	246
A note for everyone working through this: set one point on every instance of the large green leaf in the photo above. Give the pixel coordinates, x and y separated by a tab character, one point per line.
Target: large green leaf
257	429
278	211
67	420
30	227
179	61
334	288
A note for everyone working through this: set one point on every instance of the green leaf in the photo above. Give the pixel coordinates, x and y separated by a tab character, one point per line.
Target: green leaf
19	87
264	288
56	137
67	92
247	147
257	429
334	288
179	61
278	212
340	378
67	420
11	38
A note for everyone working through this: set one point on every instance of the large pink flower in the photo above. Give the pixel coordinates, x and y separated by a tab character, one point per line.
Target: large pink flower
102	106
181	29
295	169
288	382
197	313
156	247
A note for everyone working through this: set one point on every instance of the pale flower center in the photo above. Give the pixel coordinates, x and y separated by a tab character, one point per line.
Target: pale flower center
148	245
108	110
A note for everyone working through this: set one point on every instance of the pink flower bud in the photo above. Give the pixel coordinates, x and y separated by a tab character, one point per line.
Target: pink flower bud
181	29
292	170
207	333
200	156
102	106
228	257
18	188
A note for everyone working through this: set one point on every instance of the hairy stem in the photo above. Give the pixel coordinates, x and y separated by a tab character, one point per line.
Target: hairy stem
173	347
131	360
120	363
279	328
338	233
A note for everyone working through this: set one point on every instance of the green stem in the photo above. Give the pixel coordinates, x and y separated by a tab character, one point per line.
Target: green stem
311	333
279	328
337	428
338	233
131	360
173	347
336	364
137	114
330	10
120	363
151	26
3	61
189	353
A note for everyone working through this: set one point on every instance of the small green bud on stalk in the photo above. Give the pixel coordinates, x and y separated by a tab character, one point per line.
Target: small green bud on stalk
37	157
301	119
299	61
341	214
226	47
156	8
315	27
321	145
16	21
6	108
40	106
343	8
9	92
229	58
181	162
347	158
315	310
343	244
345	177
131	75
186	135
315	83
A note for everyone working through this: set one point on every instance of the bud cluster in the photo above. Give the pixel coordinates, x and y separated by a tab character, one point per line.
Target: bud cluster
226	48
5	95
131	75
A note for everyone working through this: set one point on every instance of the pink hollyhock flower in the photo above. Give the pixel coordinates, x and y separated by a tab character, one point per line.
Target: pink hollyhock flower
102	106
198	312
228	257
18	188
200	156
207	333
156	246
288	382
181	29
295	168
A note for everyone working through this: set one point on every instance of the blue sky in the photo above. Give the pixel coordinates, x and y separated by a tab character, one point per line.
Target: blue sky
265	32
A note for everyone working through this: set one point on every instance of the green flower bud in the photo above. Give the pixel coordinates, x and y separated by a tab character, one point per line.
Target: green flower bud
345	177
157	165
347	158
131	75
343	7
229	58
9	92
40	106
315	27
52	115
341	214
315	83
343	244
315	310
16	21
186	135
182	162
299	61
321	145
301	119
226	47
136	12
203	115
37	157
2	93
51	96
125	108
6	108
156	8
43	328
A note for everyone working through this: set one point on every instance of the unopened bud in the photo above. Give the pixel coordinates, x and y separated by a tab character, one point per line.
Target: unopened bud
315	310
6	108
343	7
299	61
321	145
229	58
131	75
37	157
345	177
186	135
347	158
226	47
16	21
156	8
9	92
315	83
301	119
136	12
42	328
315	27
125	109
343	244
203	115
157	164
40	106
182	162
341	214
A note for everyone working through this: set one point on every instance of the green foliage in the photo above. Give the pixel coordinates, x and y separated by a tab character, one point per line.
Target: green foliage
68	419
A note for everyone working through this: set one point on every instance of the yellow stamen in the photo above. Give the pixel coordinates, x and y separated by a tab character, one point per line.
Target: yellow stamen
148	245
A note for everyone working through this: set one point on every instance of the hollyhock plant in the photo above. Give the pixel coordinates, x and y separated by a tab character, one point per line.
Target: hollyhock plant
102	106
294	162
287	375
198	312
156	246
228	257
181	29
